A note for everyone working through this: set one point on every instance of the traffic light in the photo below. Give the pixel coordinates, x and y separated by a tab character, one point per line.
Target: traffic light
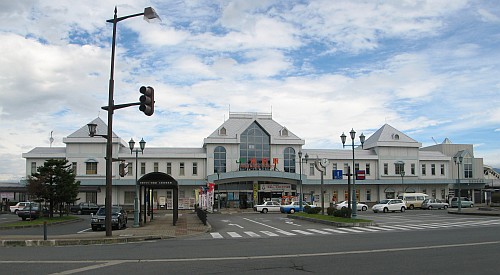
147	100
123	166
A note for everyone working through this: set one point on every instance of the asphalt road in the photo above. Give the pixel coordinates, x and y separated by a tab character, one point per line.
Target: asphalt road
460	245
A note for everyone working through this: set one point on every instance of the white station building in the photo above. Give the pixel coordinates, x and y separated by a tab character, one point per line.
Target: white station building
251	158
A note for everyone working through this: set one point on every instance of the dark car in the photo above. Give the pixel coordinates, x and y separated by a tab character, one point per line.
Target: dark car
85	208
34	211
118	218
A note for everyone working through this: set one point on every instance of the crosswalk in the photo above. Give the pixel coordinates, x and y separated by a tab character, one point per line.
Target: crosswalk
351	230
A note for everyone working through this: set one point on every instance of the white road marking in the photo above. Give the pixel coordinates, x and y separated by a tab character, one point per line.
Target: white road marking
302	232
216	235
252	234
319	231
269	233
234	234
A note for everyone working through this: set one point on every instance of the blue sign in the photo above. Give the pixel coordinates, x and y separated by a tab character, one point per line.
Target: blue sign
337	174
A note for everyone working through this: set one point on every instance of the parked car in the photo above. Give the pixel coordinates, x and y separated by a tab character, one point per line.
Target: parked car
413	200
389	205
33	211
464	202
118	218
267	206
294	207
20	205
344	204
84	208
434	204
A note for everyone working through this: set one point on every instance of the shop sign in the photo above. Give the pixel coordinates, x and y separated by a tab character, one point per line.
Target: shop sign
275	187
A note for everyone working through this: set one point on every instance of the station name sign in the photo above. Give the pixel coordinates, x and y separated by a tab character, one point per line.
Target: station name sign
157	182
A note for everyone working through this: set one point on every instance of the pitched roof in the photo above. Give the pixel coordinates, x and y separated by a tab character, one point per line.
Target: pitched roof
83	132
231	129
388	136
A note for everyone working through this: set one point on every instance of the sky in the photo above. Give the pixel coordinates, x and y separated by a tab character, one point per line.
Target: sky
428	68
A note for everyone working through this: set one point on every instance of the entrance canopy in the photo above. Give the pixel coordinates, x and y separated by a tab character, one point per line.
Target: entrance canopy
159	180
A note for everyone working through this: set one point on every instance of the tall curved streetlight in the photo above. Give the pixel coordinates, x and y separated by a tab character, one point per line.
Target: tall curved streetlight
149	15
142	145
343	137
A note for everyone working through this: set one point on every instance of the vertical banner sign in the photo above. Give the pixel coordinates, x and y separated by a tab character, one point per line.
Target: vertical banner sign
255	193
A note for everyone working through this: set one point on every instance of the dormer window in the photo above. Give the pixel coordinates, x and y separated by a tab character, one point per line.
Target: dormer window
284	132
222	131
395	136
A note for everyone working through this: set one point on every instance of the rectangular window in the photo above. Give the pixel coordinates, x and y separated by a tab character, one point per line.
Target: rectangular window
443	194
334	166
91	197
367	169
129	197
399	168
468	169
433	169
423	170
33	168
129	169
311	169
386	168
195	168
91	168
169	168
181	169
412	168
155	167
368	195
442	169
143	168
346	168
73	168
356	167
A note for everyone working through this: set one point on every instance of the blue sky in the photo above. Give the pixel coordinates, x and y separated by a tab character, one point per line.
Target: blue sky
428	68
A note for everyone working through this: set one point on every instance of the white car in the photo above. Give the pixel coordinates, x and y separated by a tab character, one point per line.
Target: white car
268	206
392	205
344	204
19	206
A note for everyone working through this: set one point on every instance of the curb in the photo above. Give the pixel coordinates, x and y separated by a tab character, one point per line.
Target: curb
332	223
66	242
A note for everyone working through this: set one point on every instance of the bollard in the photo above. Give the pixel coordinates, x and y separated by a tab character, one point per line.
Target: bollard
44	231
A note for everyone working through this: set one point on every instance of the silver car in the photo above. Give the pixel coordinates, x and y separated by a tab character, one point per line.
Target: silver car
392	205
434	204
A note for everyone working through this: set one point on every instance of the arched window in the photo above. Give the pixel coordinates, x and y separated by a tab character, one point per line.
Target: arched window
220	159
289	160
255	147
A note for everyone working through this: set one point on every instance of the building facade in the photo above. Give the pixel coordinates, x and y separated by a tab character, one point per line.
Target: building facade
251	158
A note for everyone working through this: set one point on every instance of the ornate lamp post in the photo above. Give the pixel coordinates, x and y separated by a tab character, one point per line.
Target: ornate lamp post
459	160
362	140
142	145
306	158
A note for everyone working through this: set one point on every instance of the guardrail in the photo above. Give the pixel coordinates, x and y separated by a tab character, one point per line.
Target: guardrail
202	215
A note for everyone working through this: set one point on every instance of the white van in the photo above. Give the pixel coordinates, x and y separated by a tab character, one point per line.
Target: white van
413	199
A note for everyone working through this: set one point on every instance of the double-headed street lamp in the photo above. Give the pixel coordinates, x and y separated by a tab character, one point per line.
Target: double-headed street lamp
149	14
306	158
459	160
362	140
142	145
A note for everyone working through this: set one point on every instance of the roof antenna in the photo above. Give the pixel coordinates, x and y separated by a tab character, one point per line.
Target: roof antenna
51	139
434	140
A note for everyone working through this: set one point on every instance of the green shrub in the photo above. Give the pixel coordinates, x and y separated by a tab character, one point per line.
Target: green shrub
330	210
313	210
344	213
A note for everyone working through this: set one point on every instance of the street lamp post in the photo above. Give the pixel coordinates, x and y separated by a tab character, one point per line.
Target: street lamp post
362	140
142	145
306	158
458	160
149	14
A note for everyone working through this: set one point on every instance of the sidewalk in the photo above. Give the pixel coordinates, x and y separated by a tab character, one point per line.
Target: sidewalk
161	227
